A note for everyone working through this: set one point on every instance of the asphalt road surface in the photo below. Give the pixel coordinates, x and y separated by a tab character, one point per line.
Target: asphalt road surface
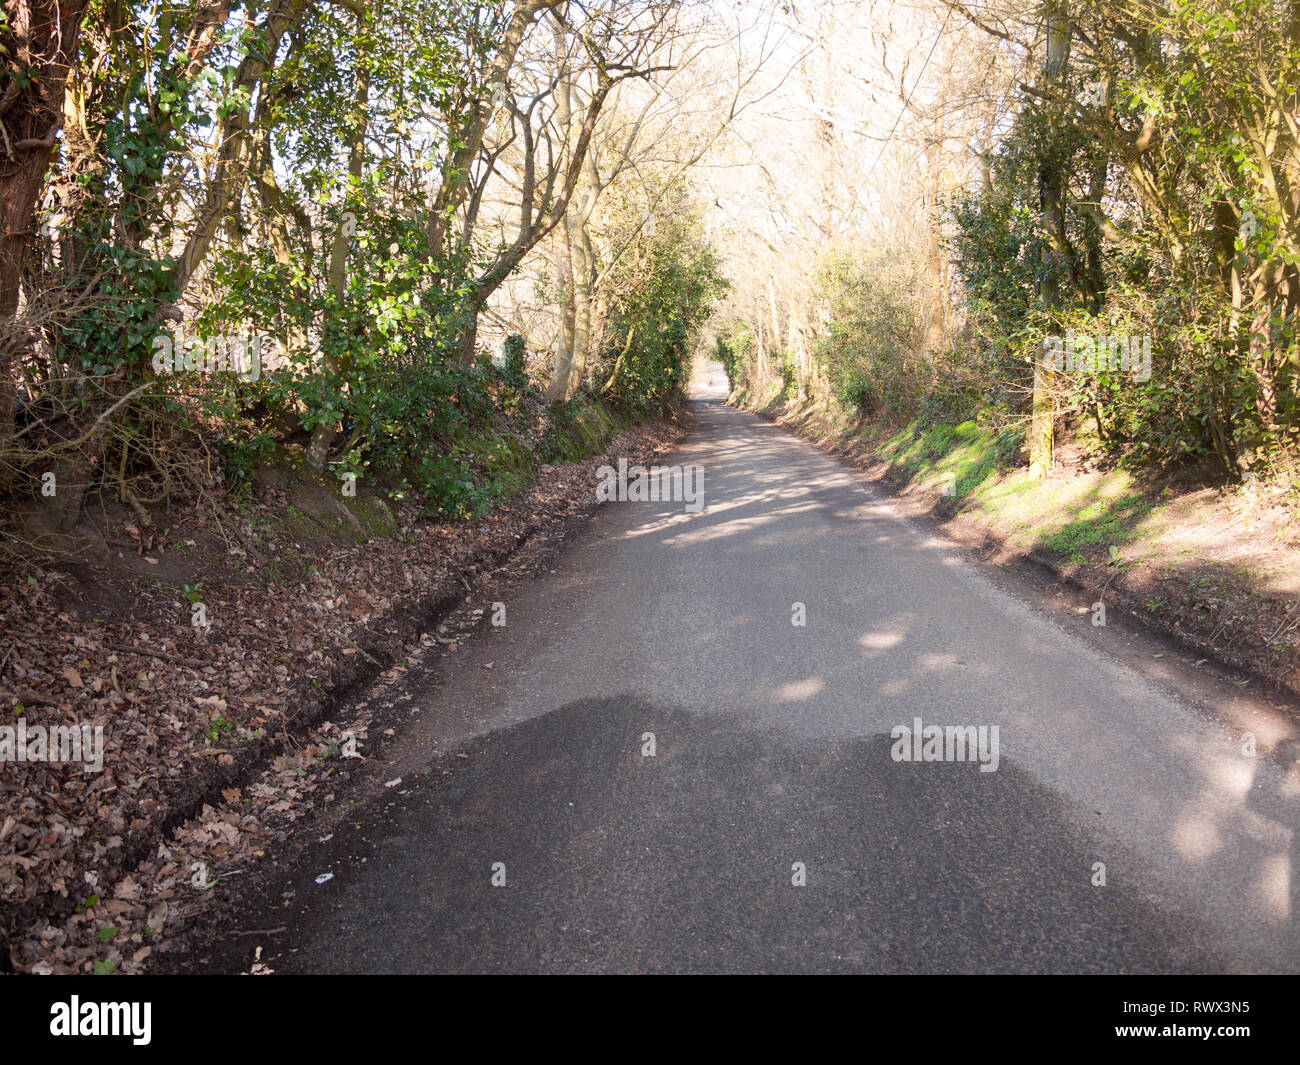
773	764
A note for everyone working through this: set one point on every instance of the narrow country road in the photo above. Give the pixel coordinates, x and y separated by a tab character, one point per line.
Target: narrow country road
772	746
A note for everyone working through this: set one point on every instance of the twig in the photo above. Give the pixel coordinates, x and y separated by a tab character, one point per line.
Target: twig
193	663
28	696
1280	629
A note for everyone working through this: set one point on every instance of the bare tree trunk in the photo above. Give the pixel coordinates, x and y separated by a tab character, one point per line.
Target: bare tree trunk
1051	190
934	256
323	433
798	345
776	320
1095	286
558	388
39	42
582	274
576	313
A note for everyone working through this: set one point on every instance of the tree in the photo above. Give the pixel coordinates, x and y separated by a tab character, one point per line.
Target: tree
38	44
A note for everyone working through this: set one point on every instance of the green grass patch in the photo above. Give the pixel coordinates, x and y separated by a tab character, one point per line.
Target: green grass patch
963	455
1101	524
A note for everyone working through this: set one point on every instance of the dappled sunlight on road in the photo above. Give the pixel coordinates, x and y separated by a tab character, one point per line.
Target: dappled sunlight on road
880	641
801	689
